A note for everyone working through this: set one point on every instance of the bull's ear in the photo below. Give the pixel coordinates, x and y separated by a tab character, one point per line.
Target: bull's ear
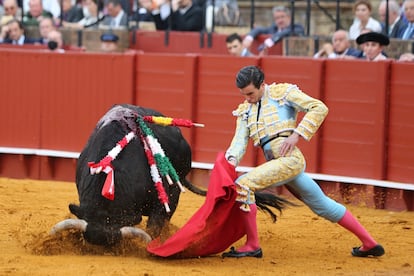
76	210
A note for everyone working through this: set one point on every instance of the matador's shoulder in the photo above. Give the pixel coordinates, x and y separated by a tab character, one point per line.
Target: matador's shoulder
280	90
241	109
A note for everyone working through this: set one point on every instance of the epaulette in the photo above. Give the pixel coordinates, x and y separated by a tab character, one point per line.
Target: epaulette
280	90
241	109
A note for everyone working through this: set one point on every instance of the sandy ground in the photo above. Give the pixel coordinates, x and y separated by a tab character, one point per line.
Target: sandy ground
300	243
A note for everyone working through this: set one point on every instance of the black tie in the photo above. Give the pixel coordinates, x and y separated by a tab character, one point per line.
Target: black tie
259	105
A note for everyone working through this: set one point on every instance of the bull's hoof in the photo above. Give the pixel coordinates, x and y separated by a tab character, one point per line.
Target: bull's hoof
235	254
376	251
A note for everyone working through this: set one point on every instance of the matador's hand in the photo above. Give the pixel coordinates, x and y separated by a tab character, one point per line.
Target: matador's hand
289	144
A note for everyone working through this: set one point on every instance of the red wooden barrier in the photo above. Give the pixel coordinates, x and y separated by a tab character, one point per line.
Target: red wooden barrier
190	42
167	82
53	101
217	97
354	132
20	112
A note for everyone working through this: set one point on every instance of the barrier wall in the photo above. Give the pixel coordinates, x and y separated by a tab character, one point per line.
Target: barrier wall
53	101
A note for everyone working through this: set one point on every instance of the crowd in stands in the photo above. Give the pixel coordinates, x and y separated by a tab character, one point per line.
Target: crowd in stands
198	15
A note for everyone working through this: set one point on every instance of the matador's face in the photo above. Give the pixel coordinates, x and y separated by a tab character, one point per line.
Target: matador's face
252	94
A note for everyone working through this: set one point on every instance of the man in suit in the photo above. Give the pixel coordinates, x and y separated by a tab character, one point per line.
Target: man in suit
13	33
280	28
116	17
186	17
395	21
340	47
408	30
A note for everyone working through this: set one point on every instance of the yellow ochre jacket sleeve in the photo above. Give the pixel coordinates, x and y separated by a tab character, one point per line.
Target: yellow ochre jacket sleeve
315	110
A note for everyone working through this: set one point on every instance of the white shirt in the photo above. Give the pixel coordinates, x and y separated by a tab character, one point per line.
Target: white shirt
355	29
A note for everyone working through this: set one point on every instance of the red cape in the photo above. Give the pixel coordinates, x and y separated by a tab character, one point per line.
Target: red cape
215	226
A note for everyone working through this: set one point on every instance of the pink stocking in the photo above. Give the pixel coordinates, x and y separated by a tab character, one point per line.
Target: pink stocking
349	222
249	220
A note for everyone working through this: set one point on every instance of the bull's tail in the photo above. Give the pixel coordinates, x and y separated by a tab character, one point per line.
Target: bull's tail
194	188
264	200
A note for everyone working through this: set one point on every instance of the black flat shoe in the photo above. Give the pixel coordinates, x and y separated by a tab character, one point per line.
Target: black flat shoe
235	254
376	251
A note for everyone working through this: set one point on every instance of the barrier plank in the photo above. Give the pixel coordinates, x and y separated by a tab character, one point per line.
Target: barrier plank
401	125
166	82
307	74
217	97
354	142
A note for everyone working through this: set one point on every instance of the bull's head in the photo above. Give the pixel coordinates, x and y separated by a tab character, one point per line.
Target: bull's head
98	234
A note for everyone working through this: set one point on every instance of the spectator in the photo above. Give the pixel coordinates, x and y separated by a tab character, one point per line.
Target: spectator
395	21
55	41
406	57
373	45
186	16
53	6
109	43
13	33
235	47
35	13
91	17
408	30
11	10
46	25
340	47
363	19
280	28
71	12
116	17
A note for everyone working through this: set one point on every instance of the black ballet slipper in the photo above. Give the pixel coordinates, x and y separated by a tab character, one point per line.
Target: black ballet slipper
376	251
235	254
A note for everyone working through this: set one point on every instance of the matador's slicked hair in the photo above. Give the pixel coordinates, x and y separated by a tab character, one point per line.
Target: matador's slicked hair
249	75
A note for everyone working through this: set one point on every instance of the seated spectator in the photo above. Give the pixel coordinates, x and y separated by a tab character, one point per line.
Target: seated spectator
13	33
340	47
11	10
91	17
280	28
395	21
35	13
55	41
116	16
186	16
406	57
109	43
408	29
46	25
71	12
235	47
363	19
53	6
373	45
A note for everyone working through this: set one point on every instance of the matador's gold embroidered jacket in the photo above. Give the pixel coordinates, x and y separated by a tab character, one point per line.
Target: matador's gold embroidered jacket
280	105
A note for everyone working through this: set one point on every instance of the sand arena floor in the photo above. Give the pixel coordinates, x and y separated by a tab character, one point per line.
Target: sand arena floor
300	243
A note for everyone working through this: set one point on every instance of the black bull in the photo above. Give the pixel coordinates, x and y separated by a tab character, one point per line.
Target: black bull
104	221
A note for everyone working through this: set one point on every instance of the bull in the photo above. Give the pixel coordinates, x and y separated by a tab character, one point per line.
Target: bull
104	221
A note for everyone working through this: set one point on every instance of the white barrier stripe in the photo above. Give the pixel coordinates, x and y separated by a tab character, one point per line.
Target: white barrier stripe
209	166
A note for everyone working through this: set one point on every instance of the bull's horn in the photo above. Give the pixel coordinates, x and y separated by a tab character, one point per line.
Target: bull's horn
131	232
79	224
